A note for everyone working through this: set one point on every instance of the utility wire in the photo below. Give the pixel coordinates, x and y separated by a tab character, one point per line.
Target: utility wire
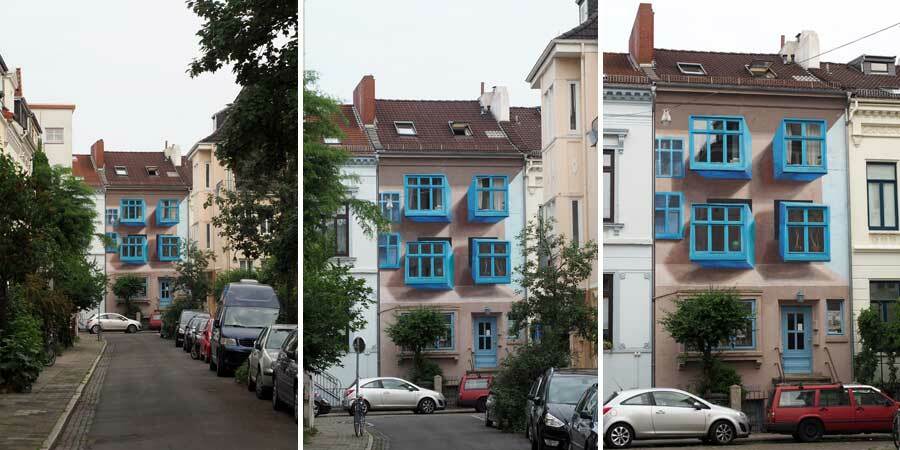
851	42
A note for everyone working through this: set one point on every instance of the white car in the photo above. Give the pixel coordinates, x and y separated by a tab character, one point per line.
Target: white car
264	353
393	393
112	322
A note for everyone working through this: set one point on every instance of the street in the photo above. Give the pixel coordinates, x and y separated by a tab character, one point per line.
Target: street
408	431
763	442
147	394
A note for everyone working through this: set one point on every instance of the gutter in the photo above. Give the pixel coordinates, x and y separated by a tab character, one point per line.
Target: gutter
693	87
652	241
852	106
377	280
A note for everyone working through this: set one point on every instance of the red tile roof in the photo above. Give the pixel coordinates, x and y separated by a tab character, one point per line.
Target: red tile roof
853	79
137	162
524	129
617	68
84	168
431	119
355	139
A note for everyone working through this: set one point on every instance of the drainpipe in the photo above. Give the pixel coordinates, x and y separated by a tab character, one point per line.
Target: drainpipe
652	240
849	110
583	204
377	282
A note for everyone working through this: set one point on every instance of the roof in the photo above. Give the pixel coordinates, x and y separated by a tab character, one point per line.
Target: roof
83	167
524	129
136	164
355	139
617	68
431	119
730	69
852	79
584	30
51	106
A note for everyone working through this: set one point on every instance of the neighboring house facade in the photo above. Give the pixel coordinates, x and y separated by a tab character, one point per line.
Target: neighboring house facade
56	122
626	307
761	207
451	182
20	131
146	215
874	120
83	168
566	75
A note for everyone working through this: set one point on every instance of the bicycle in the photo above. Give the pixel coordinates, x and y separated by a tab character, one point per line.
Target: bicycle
359	417
50	349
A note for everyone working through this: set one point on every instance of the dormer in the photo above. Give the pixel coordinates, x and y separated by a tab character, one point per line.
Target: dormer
760	68
875	65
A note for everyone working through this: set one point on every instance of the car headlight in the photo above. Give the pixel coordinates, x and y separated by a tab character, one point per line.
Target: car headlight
229	341
552	421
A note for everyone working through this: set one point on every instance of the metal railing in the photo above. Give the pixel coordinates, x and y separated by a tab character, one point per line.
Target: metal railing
778	364
832	371
328	387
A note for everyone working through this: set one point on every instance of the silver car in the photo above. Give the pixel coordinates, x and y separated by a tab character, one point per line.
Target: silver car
660	413
264	353
393	393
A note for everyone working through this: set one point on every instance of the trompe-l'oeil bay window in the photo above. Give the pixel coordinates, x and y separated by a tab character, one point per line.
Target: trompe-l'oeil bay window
804	232
799	150
132	211
168	247
427	198
429	265
488	198
389	251
722	235
720	147
167	212
667	219
490	261
133	249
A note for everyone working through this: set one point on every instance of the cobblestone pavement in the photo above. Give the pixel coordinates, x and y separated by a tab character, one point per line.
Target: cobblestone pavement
335	432
443	431
765	441
27	420
74	435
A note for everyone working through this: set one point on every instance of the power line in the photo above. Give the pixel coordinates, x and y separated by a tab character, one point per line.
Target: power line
851	42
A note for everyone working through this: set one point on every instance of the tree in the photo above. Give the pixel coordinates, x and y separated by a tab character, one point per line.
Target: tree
192	274
233	276
704	322
416	330
127	287
16	249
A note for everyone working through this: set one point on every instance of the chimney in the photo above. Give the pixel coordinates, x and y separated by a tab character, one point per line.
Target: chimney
782	42
482	88
173	153
497	102
18	92
640	44
97	154
808	49
364	99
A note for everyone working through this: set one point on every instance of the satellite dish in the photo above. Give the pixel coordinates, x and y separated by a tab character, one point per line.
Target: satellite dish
359	344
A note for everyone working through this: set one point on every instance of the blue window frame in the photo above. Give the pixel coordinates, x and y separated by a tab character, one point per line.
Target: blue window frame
167	212
668	219
132	211
488	198
112	216
745	339
669	158
133	249
881	180
799	150
448	341
168	247
427	198
720	147
490	261
834	317
389	251
165	292
390	206
722	235
429	265
114	237
804	232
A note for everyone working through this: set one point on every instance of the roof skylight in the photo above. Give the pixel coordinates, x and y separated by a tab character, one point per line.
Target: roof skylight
460	128
405	128
691	68
121	171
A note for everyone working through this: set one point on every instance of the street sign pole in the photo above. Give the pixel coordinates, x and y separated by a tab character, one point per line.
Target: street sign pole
359	346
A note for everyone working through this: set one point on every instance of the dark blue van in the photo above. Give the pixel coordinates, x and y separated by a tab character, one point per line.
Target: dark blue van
244	309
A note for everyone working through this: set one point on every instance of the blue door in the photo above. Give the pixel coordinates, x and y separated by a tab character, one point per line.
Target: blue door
485	334
165	293
796	338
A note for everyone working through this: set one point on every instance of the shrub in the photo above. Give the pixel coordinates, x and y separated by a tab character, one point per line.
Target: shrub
242	374
721	377
171	315
424	372
21	351
514	379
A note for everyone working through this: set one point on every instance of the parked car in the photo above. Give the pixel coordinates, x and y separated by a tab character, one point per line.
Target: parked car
810	412
197	335
474	390
183	319
553	404
245	308
490	413
204	341
285	382
190	331
113	322
155	321
320	406
265	352
661	413
392	393
582	425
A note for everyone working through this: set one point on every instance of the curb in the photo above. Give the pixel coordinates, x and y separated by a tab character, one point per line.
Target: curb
64	417
371	440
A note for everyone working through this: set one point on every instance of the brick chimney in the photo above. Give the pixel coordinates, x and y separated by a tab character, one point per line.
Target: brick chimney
640	44
364	99
18	92
97	154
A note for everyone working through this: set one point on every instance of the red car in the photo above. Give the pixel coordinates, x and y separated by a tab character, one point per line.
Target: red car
473	391
204	341
809	412
156	321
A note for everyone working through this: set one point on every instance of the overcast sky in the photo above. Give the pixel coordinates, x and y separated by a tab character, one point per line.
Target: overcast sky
757	26
122	63
431	50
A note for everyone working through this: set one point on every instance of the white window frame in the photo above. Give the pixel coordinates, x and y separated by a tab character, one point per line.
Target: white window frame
121	171
682	67
402	124
59	139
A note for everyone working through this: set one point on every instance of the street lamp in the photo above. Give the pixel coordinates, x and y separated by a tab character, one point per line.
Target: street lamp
666	117
800	296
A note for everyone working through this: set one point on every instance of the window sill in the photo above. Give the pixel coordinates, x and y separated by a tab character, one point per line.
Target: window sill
727	355
449	354
614	226
836	339
344	260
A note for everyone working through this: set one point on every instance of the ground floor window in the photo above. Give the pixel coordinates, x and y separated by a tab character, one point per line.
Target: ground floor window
883	295
446	342
607	307
835	317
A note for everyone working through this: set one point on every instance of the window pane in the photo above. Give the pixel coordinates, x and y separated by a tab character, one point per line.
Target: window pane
794	129
414	267
500	266
815	215
607	198
814	153
499	200
880	171
673	222
438	266
733	125
700	147
875	205
814	129
700	124
816	239
795	215
890	206
701	238
665	163
484	266
835	317
718	238
717	149
718	213
665	144
734	214
795	152
676	145
734	149
734	238
884	290
659	220
659	200
674	201
701	214
677	164
795	239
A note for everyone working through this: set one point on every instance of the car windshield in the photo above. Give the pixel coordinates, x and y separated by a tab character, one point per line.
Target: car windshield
276	338
568	389
250	317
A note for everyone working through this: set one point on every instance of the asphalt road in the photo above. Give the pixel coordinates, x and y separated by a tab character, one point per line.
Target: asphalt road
154	396
859	442
442	432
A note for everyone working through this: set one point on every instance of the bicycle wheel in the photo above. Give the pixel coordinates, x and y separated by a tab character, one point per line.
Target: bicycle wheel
358	422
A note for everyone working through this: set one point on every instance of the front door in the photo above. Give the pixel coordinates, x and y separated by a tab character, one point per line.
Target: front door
796	339
165	293
485	334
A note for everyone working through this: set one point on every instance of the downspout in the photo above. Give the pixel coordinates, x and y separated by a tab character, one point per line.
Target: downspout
377	283
852	106
652	239
584	203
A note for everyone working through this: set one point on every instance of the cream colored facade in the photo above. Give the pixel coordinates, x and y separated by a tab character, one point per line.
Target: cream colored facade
566	75
56	123
19	131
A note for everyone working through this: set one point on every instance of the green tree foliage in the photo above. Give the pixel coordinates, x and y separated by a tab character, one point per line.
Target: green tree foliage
127	287
702	323
21	347
17	251
514	379
192	274
171	315
414	331
879	339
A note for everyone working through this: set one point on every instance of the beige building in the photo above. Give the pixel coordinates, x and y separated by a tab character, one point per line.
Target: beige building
567	76
56	122
20	131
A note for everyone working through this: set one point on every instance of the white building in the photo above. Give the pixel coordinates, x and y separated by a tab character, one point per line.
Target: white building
83	168
628	171
56	122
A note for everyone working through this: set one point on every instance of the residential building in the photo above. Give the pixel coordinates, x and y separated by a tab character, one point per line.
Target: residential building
146	215
566	75
56	122
760	207
83	168
20	131
628	140
451	182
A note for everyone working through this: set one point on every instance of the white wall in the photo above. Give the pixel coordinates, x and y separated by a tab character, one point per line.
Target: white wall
58	154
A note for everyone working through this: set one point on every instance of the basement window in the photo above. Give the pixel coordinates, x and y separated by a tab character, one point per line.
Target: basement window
121	171
460	128
153	171
405	128
332	140
691	68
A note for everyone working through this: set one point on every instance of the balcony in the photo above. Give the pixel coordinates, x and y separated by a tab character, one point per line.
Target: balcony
722	236
720	147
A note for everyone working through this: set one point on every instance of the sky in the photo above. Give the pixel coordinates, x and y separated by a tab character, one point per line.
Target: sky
756	27
431	50
122	63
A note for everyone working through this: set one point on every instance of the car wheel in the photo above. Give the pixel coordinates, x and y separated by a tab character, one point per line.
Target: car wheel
810	430
488	422
426	406
722	432
95	329
276	402
590	444
220	369
619	435
132	329
261	391
251	383
481	405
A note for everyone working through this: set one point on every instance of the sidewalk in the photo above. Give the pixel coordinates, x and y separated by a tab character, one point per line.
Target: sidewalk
335	432
28	420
